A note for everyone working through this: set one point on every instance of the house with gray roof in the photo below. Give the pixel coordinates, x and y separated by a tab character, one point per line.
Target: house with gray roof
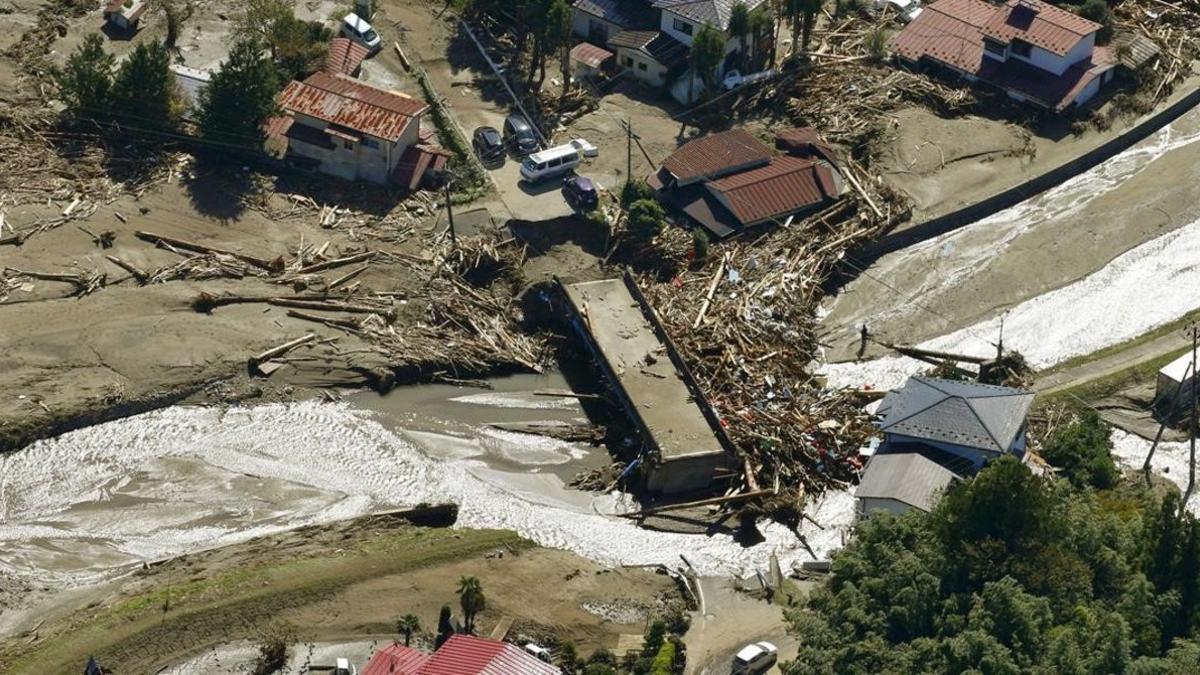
976	422
652	38
897	482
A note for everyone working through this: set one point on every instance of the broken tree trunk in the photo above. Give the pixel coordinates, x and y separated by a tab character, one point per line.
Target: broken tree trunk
700	502
137	273
274	266
336	262
282	349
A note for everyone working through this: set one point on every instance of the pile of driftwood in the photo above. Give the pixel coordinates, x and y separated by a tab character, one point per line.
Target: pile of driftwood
1173	27
746	323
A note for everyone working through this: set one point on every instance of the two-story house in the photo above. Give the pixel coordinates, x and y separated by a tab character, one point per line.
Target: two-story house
653	38
337	125
1034	51
934	432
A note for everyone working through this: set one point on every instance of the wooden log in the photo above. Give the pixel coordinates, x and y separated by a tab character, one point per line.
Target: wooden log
336	262
742	496
274	266
389	314
347	277
137	273
327	320
279	351
712	289
49	276
12	240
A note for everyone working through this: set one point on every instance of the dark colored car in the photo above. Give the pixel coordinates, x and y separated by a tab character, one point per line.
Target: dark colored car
519	136
580	193
489	147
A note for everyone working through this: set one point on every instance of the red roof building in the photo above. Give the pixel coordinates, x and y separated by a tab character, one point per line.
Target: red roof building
343	127
1032	50
345	57
730	181
460	655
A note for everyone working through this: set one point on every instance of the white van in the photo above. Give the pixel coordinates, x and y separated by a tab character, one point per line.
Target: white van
549	163
357	29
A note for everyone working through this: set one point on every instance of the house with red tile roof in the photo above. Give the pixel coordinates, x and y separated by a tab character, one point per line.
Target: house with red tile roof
460	655
730	181
340	126
1032	50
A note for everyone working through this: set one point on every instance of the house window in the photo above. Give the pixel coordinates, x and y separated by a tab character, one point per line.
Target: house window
628	62
993	46
641	66
1021	48
370	143
347	144
683	26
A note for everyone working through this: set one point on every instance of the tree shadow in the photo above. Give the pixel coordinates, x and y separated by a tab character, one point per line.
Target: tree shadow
217	188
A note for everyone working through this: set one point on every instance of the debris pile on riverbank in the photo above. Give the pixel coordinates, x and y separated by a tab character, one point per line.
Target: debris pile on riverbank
746	323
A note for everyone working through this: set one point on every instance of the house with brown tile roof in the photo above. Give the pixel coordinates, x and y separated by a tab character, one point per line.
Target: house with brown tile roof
337	125
730	181
1034	51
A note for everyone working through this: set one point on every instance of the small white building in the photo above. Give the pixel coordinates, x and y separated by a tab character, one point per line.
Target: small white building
1173	389
345	128
192	82
125	14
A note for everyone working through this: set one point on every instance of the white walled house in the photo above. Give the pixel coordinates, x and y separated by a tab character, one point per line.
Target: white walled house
653	38
1034	51
346	128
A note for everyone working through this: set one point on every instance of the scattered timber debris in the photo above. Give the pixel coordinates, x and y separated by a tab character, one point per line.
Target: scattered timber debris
84	282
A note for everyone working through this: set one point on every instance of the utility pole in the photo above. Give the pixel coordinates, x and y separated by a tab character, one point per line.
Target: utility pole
1192	331
628	150
450	213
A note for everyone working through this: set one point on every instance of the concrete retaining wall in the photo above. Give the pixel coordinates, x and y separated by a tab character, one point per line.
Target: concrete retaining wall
935	227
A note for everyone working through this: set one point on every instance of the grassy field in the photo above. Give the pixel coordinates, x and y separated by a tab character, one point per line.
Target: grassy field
179	609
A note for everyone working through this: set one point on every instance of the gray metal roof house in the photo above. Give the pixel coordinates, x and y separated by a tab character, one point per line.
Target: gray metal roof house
898	482
974	421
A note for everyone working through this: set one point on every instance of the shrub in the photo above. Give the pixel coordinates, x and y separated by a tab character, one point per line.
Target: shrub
1083	451
700	243
646	219
876	44
664	661
634	190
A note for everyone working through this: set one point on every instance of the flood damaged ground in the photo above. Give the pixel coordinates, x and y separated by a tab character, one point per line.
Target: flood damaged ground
95	503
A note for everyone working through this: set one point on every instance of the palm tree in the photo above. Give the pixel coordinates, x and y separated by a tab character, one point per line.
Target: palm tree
470	597
406	626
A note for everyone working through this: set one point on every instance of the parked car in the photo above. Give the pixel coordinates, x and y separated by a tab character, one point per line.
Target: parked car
540	653
906	10
550	163
580	193
755	658
519	136
488	145
357	29
734	79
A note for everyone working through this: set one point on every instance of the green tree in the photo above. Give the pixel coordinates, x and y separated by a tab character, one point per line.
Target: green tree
762	25
85	83
664	660
471	599
299	47
239	98
708	50
1082	450
1098	11
175	13
808	10
646	219
144	93
792	10
554	35
740	27
406	626
634	189
700	244
445	627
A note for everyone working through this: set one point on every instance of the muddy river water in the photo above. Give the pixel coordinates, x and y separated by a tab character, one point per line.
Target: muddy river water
80	508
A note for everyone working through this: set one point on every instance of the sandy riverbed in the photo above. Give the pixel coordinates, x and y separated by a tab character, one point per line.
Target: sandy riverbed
969	276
